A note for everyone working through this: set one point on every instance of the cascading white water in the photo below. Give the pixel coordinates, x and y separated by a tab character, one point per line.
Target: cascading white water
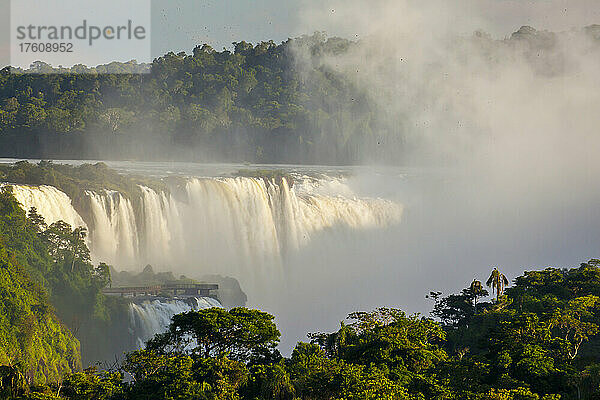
154	316
114	234
244	226
50	203
241	227
162	240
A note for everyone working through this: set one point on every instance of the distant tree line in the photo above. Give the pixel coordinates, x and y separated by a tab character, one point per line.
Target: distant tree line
255	103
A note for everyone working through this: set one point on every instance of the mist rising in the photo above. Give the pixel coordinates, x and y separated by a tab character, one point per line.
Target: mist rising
503	128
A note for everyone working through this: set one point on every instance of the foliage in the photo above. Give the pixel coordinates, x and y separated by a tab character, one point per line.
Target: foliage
534	339
35	346
497	281
255	103
239	334
263	103
55	262
91	385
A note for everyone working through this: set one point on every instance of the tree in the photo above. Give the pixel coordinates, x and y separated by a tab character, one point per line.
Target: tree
116	118
458	309
65	244
160	376
80	250
34	345
239	334
90	384
497	281
574	324
219	102
12	382
36	220
403	351
477	291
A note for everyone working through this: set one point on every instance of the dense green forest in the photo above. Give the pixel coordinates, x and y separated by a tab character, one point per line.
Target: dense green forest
535	339
32	339
250	104
268	102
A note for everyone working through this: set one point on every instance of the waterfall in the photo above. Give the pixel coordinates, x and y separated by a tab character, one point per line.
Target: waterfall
50	203
234	222
252	229
162	238
245	226
242	227
150	317
114	236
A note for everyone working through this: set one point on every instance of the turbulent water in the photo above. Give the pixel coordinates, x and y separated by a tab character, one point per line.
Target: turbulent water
114	233
50	202
153	316
238	226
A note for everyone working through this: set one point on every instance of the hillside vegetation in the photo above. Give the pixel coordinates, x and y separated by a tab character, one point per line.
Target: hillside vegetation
46	277
268	102
32	338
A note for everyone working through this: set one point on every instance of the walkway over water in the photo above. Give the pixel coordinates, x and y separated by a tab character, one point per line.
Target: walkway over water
172	289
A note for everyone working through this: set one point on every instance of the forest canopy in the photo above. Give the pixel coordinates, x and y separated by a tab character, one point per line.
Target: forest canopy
264	102
249	104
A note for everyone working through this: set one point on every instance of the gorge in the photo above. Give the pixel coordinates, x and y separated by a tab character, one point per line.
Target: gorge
238	224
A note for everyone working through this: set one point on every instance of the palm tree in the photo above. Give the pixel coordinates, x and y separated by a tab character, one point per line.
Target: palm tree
497	281
477	291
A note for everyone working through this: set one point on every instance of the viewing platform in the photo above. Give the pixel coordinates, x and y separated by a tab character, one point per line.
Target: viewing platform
166	289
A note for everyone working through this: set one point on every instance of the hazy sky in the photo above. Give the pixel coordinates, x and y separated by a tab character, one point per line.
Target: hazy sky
179	25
